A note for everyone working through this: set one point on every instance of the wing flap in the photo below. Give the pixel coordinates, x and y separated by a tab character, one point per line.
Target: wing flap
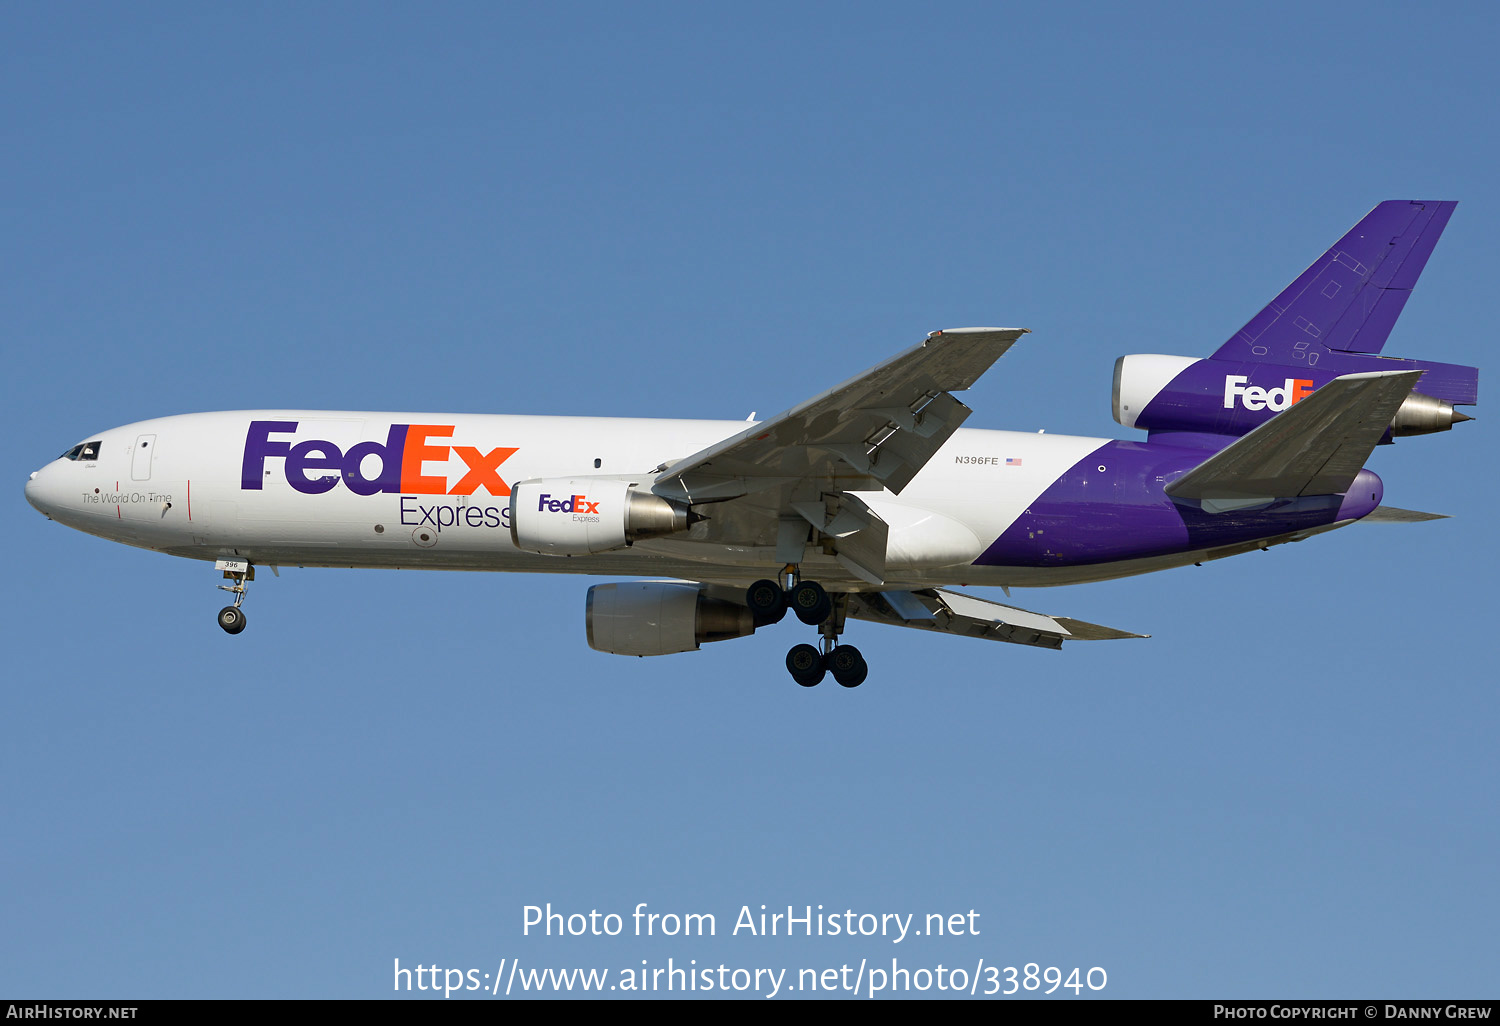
1315	447
953	612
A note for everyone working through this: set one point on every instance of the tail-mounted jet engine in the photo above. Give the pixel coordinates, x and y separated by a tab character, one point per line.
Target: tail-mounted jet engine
1222	397
643	618
581	515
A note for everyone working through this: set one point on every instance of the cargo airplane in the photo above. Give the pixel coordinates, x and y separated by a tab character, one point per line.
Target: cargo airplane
867	502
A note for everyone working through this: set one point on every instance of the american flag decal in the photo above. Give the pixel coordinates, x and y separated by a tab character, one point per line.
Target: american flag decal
1012	461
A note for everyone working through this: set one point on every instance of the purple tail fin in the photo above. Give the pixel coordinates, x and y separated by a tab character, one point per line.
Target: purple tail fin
1332	321
1348	300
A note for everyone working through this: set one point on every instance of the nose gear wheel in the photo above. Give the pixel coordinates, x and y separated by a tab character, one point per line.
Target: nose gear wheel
240	572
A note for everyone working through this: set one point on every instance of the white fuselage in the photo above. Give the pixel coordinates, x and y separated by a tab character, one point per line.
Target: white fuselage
193	486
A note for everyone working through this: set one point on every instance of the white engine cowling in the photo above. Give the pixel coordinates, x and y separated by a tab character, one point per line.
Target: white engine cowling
1138	380
579	515
643	618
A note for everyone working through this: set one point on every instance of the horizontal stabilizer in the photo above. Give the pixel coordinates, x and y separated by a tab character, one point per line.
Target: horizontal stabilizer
1395	515
953	612
1315	447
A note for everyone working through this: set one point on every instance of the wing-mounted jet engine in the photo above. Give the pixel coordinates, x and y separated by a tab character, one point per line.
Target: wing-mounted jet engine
582	515
647	618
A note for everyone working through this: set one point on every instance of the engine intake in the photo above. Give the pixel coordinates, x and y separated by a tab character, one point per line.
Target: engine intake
580	515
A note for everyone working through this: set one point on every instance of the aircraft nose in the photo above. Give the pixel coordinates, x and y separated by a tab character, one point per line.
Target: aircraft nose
39	492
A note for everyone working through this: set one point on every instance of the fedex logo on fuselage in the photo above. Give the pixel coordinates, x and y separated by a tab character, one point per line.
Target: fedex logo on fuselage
1253	397
572	504
399	464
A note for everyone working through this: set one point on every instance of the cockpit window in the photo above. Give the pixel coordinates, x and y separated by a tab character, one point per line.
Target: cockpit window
82	451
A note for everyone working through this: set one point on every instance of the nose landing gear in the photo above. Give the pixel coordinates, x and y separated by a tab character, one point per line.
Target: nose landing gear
240	572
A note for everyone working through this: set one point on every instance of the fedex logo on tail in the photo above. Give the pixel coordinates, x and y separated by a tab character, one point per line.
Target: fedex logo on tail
399	464
1253	397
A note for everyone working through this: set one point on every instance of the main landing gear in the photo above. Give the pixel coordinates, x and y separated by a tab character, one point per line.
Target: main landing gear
240	572
807	665
769	601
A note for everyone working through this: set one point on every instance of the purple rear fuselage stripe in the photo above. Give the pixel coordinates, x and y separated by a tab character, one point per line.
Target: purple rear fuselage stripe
1111	506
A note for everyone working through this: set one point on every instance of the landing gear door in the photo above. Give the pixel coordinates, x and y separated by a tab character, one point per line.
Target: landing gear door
140	459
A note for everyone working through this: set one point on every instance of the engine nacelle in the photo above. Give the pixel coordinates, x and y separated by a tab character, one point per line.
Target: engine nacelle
643	618
1183	394
1140	379
579	515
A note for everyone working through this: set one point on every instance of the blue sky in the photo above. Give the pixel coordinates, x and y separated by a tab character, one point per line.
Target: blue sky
703	211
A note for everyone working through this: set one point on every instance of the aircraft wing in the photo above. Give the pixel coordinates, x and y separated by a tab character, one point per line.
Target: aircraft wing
778	480
874	431
953	612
